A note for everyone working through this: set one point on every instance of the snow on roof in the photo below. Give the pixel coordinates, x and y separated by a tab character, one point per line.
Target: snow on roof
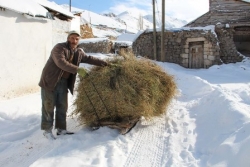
53	6
127	39
206	28
29	7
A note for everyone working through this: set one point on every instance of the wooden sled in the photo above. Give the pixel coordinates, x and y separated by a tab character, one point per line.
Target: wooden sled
123	126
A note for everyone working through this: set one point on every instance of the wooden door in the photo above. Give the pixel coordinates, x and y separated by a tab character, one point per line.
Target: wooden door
196	58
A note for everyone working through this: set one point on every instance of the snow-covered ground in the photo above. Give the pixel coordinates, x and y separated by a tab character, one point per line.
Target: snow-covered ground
207	124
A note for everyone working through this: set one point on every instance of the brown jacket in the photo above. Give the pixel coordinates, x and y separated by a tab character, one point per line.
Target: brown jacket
58	63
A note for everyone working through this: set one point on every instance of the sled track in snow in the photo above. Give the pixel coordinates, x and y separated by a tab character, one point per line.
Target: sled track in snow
149	146
26	151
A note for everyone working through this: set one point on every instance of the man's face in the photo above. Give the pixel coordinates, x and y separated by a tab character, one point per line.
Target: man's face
73	40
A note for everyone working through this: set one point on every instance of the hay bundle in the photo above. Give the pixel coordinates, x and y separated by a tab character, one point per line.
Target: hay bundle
119	96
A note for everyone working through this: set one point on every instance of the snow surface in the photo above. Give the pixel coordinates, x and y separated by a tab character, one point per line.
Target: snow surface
104	33
127	39
207	124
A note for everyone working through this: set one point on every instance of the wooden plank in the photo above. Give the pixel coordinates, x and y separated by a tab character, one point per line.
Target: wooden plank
196	56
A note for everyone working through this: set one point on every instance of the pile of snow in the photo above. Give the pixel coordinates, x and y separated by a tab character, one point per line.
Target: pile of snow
127	39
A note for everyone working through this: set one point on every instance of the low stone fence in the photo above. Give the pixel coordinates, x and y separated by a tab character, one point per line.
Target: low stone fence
96	45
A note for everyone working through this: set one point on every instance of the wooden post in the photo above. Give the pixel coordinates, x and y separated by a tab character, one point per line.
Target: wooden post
70	5
163	32
154	33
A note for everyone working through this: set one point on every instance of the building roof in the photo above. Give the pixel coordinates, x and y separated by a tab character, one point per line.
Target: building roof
55	7
35	8
28	7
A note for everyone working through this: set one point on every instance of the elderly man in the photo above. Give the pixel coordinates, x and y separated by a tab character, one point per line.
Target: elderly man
58	76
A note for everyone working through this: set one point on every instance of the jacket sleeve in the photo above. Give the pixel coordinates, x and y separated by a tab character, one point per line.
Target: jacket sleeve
58	55
90	59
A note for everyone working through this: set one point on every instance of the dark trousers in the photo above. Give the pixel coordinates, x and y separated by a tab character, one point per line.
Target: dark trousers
55	99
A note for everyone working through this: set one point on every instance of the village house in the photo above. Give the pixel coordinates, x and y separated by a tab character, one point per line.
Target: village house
219	36
29	30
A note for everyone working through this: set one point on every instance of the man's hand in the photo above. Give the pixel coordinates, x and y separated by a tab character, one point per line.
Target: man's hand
82	72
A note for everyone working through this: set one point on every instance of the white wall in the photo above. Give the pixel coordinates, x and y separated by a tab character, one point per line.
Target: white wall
75	23
60	31
25	46
61	28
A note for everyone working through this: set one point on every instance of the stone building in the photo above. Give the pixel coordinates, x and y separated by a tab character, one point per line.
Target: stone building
189	47
195	46
232	25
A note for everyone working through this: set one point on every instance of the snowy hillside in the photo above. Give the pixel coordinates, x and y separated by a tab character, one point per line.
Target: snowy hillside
96	19
124	22
169	21
133	23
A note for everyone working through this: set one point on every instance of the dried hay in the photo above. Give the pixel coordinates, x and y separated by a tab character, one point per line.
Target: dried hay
117	96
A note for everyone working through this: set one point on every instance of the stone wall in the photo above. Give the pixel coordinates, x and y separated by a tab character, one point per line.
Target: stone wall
96	46
223	12
177	46
26	43
227	15
221	17
242	38
228	5
229	53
